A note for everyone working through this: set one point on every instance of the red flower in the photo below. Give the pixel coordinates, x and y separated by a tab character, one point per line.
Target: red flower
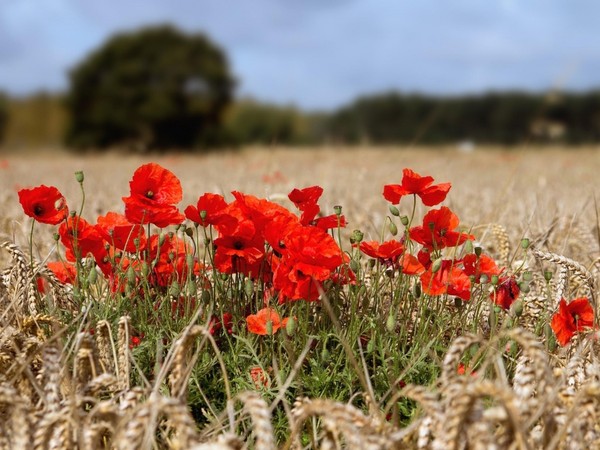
45	204
65	272
122	234
449	279
210	206
572	318
387	252
259	378
311	255
154	192
413	183
437	230
480	265
217	323
506	292
81	238
306	201
259	323
238	254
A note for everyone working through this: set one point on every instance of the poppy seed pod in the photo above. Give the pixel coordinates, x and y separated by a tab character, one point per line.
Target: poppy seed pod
79	176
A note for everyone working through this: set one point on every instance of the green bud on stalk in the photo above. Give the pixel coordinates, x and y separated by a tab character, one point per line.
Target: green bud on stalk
478	251
404	220
290	327
436	265
92	276
356	237
337	209
393	229
547	275
394	211
390	323
525	243
79	176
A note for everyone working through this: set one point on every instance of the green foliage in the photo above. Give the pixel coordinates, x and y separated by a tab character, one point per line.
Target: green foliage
152	89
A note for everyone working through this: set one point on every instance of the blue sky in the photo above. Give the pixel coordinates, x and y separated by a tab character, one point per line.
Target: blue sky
324	53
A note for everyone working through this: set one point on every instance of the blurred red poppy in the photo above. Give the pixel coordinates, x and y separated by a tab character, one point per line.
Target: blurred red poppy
264	321
413	183
44	203
122	234
506	292
208	209
437	231
572	318
448	279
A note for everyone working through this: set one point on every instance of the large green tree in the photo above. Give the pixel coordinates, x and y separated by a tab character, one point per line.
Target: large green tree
155	88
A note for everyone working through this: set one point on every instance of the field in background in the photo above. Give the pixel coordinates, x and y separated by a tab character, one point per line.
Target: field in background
525	190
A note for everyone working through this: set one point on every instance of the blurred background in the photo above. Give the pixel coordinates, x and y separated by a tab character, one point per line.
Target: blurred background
153	75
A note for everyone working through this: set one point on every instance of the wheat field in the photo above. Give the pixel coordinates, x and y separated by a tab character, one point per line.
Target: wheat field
548	401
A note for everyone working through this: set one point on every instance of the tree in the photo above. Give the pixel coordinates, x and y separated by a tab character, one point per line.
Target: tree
155	88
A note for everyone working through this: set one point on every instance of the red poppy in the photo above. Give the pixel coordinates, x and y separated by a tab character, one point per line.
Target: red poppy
122	234
386	252
329	222
169	260
411	265
65	272
259	378
210	206
216	324
413	183
260	322
44	203
476	266
80	238
306	201
506	292
448	279
572	318
238	254
154	192
311	255
437	231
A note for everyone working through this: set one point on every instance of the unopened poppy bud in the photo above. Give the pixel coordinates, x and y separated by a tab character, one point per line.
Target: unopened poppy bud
524	287
436	265
203	215
337	209
174	290
131	275
394	211
206	241
551	340
417	290
547	275
249	287
393	229
527	275
145	269
290	327
72	213
92	276
56	237
517	308
390	323
478	251
525	243
469	246
495	280
189	260
189	232
354	266
371	346
269	327
356	237
404	220
79	176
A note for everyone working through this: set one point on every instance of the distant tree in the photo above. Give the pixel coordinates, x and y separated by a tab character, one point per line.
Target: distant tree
3	114
155	88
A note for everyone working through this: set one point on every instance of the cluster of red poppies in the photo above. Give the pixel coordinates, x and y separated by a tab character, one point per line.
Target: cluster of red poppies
293	256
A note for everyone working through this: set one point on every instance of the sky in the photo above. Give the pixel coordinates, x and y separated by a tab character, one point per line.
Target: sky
323	54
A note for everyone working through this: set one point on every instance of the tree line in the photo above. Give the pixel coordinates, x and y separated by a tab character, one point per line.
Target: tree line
159	88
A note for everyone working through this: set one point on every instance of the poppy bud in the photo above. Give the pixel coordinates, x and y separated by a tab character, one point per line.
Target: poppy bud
524	243
290	328
469	246
527	275
189	260
393	229
131	275
547	275
56	237
357	237
404	220
79	176
92	276
337	209
174	290
189	232
550	337
495	280
524	287
394	211
436	265
205	296
145	269
517	308
72	213
354	266
269	327
478	251
249	288
417	290
390	323
203	215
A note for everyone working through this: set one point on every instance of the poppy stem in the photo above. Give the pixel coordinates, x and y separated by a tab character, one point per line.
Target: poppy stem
31	246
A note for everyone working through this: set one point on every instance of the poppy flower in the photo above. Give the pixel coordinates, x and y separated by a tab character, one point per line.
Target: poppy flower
219	323
259	378
572	318
448	279
476	266
506	292
65	272
210	206
237	254
154	192
44	203
306	201
387	252
413	183
437	231
80	238
329	222
264	319
122	234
